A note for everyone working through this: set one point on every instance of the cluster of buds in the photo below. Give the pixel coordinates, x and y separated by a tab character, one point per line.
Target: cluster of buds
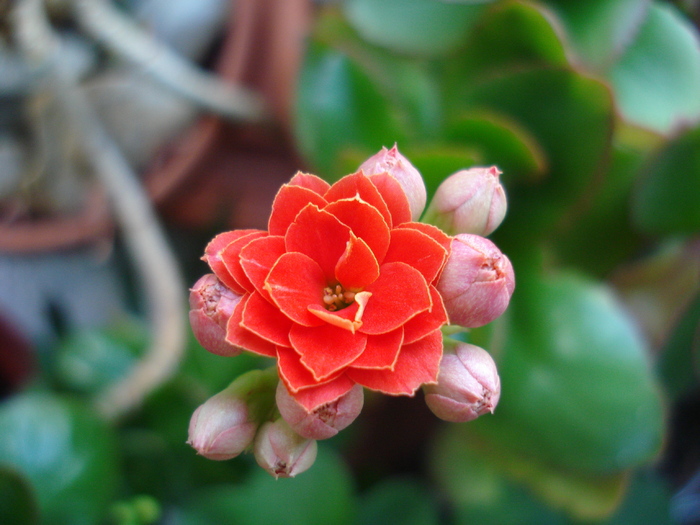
257	413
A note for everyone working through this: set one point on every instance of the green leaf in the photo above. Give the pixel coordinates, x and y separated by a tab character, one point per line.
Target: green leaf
398	500
65	451
578	392
17	502
420	27
657	80
647	501
668	196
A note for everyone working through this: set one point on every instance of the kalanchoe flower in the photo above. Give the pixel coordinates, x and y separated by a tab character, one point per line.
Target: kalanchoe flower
477	281
226	424
325	421
283	452
398	166
469	201
340	289
468	385
211	306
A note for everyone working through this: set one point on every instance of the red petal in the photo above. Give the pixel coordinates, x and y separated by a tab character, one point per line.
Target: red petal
289	201
399	294
319	235
314	397
381	350
358	185
418	363
212	255
258	257
428	321
294	283
326	349
365	221
295	375
347	318
357	267
239	336
433	231
266	321
311	182
417	250
394	196
231	259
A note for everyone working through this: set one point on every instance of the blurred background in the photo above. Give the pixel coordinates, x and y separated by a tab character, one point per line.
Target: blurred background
133	131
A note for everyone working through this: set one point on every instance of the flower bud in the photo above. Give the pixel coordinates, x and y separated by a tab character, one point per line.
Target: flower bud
469	201
211	306
225	425
283	452
398	166
324	422
468	385
477	281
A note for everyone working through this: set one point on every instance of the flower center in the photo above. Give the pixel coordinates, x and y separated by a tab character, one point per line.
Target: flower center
336	298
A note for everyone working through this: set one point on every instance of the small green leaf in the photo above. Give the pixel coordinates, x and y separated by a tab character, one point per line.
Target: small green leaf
17	502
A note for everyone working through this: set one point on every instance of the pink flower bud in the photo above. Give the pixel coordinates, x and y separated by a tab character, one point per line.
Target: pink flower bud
477	281
468	385
283	452
324	422
211	306
395	164
469	201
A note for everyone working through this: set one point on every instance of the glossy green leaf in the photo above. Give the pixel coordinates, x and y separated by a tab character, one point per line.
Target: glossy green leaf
657	80
398	500
578	392
17	502
65	451
420	27
647	501
667	199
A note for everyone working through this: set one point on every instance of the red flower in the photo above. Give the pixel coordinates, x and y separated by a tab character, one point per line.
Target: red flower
340	289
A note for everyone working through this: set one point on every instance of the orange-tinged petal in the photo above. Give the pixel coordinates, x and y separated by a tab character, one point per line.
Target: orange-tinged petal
292	371
212	255
365	221
357	267
239	336
400	293
295	282
359	185
231	259
432	231
311	182
258	257
381	351
417	250
319	235
289	201
316	396
266	320
418	363
428	321
394	196
326	349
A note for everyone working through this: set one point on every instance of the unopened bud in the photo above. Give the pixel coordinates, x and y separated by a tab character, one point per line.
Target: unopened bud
469	201
325	421
468	385
398	166
225	425
211	306
477	281
283	452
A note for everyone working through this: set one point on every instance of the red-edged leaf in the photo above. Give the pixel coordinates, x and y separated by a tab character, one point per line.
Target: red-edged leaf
394	196
239	336
294	283
400	293
289	201
365	221
434	232
418	363
417	250
326	349
212	255
292	371
381	351
266	320
358	185
314	397
231	259
428	321
258	257
311	182
357	267
319	235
